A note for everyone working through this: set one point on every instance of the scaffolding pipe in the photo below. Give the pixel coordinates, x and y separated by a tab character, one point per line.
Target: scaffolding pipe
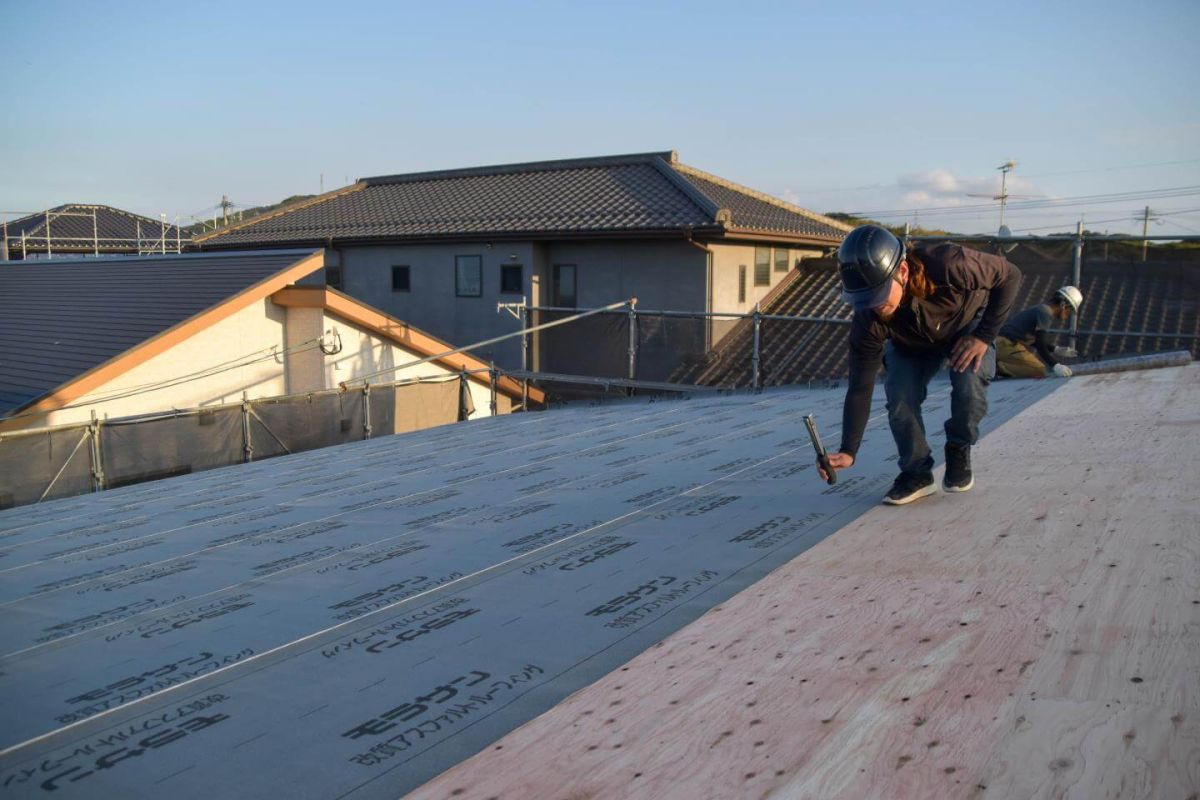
1177	358
754	352
1138	334
524	352
1076	266
492	376
97	461
366	401
247	443
493	340
632	339
706	314
87	434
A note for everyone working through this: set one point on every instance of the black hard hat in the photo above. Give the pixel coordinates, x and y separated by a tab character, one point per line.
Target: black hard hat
867	260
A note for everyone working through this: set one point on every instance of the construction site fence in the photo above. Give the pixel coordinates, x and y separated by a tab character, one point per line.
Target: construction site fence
67	460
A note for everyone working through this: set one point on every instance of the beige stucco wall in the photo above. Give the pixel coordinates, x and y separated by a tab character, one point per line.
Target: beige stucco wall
727	258
272	335
364	353
253	331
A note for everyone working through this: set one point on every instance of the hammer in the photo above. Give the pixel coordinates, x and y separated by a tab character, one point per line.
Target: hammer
822	456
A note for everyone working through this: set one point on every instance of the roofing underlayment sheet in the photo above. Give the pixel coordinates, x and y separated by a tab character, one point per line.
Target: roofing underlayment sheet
352	621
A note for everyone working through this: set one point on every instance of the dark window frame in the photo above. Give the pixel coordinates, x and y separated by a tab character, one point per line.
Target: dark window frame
404	285
459	262
762	269
786	264
558	295
506	269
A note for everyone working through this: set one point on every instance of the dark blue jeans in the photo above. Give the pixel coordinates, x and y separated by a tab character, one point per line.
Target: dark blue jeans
907	383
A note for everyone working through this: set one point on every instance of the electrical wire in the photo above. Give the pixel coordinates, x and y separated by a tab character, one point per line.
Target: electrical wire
168	383
1095	199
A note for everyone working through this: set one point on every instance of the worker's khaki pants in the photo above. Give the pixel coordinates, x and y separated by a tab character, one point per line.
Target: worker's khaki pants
1015	360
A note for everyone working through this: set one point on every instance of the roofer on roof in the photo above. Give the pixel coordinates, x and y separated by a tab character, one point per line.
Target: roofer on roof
913	311
1023	347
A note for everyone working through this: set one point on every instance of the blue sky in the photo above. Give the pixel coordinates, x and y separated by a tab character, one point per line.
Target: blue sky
836	106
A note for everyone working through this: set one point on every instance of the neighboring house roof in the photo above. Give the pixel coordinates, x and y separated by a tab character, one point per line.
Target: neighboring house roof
638	194
1147	297
87	227
395	330
67	327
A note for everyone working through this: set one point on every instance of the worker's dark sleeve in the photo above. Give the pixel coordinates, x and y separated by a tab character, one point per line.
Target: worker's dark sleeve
1045	351
1041	337
976	270
866	356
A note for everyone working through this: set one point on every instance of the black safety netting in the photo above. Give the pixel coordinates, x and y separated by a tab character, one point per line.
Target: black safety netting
281	425
148	449
48	464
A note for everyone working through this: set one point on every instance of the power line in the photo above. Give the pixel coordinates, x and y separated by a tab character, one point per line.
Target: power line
1114	168
168	383
875	186
1082	200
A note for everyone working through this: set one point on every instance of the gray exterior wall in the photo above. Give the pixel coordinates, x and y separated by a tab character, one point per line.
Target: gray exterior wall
431	303
660	273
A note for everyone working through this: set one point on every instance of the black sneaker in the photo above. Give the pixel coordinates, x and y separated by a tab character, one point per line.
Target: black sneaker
908	487
958	468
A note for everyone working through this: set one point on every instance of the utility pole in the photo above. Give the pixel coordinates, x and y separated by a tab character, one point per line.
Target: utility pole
1004	168
226	204
1147	215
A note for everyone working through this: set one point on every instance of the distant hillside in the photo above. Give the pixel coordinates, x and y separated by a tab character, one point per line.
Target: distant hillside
243	214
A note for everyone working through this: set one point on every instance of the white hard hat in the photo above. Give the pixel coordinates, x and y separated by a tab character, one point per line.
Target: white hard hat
1073	296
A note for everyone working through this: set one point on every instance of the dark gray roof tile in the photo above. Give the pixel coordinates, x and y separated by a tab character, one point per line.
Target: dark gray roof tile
636	193
60	319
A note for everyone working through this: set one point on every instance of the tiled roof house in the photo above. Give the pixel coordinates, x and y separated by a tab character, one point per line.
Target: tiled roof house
441	249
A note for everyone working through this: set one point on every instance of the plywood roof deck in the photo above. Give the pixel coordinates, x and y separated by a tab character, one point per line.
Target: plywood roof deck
1038	637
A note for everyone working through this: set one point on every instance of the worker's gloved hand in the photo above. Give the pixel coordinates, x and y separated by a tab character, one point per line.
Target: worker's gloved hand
1064	352
838	461
1062	371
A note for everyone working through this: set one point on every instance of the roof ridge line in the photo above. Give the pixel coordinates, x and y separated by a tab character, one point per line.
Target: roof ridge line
284	209
766	198
526	166
707	204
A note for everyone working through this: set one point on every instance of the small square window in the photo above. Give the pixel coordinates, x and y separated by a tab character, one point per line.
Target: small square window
333	277
400	279
512	278
783	259
762	266
468	276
